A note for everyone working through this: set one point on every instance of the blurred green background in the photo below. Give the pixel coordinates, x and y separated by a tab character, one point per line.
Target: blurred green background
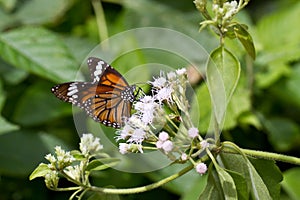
43	43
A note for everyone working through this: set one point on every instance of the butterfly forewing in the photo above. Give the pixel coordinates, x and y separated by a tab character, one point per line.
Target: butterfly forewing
107	99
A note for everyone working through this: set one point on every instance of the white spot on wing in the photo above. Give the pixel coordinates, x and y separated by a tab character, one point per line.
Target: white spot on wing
72	90
99	70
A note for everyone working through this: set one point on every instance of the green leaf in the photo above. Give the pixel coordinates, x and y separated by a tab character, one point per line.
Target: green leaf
77	155
278	50
259	189
38	51
223	72
79	47
213	190
270	174
6	126
6	20
288	90
273	72
47	107
278	30
241	97
234	113
196	188
202	106
291	183
40	171
12	75
262	176
101	164
241	185
8	5
160	15
22	151
227	183
182	185
245	38
283	133
42	11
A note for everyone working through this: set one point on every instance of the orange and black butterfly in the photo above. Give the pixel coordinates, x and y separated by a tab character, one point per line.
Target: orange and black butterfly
107	99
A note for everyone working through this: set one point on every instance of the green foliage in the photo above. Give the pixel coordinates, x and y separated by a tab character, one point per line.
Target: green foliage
291	182
43	43
38	51
223	73
243	178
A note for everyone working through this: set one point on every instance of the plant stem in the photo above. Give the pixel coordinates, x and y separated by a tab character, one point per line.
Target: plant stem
100	18
272	156
263	154
65	189
142	188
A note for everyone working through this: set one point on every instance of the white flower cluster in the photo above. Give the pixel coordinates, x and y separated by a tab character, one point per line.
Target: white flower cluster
225	13
61	160
164	143
140	131
149	110
74	172
89	144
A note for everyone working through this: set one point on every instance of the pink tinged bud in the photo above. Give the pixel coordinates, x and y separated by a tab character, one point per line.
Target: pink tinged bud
193	132
204	144
184	156
167	146
159	144
163	136
201	168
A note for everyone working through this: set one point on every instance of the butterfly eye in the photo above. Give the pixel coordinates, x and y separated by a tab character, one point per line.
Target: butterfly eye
107	98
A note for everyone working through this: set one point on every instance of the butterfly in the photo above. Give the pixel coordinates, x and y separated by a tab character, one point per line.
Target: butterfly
107	99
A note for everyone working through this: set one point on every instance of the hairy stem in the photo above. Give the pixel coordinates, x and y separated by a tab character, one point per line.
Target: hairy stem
142	188
263	154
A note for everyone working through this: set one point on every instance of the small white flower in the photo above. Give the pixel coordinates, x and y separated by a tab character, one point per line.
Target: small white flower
215	7
74	171
137	137
159	144
181	71
164	94
193	132
158	82
147	109
171	75
184	157
204	144
163	136
167	146
89	144
201	168
231	9
145	103
50	158
63	158
51	179
124	133
123	148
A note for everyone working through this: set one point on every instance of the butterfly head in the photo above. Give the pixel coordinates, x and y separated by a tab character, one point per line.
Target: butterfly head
128	93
